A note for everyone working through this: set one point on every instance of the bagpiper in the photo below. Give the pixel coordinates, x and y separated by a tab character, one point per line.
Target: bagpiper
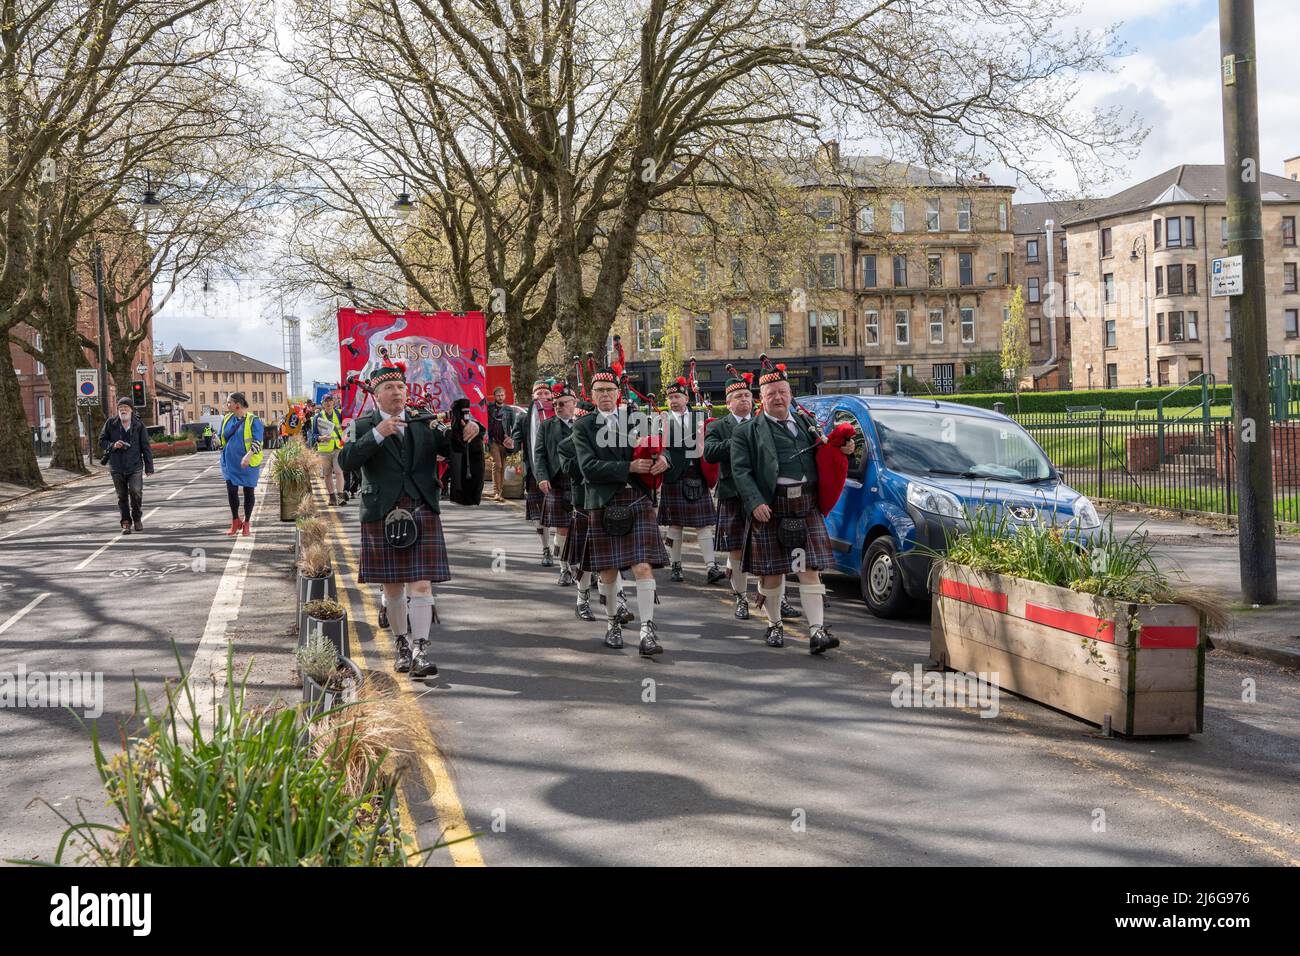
557	490
729	534
774	466
684	501
622	533
524	438
402	547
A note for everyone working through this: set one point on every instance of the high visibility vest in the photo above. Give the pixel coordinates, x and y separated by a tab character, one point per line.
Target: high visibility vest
332	442
255	460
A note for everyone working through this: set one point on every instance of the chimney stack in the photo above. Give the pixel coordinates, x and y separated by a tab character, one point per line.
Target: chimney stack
1292	168
830	153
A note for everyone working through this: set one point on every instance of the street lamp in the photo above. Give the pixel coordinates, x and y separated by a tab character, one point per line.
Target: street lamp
1146	299
149	203
402	207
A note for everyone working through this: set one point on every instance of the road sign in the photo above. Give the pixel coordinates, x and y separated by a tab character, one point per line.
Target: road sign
87	386
164	408
1226	276
141	369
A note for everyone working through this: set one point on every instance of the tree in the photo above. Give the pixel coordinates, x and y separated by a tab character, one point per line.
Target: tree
1015	343
670	356
987	376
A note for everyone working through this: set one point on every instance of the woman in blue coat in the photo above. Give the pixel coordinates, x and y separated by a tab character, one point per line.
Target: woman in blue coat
241	458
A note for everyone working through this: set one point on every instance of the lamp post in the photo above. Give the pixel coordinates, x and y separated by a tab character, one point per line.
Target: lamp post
1146	299
402	206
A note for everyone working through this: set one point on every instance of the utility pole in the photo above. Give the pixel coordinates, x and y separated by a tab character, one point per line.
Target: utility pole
1252	435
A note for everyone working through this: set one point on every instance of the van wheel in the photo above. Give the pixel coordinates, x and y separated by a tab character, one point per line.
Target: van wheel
881	580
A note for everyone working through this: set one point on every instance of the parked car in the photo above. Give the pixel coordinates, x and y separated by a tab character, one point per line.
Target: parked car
195	430
920	467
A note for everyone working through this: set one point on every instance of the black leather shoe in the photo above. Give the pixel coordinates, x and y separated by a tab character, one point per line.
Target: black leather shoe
422	665
547	560
383	615
834	641
126	527
623	615
742	608
788	611
775	636
715	574
138	525
566	577
403	662
614	635
582	611
676	574
650	646
821	640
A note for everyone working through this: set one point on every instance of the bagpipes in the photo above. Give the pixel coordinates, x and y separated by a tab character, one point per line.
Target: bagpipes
708	468
647	446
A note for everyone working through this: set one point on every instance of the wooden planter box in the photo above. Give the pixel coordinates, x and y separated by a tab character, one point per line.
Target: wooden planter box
165	449
1141	664
290	494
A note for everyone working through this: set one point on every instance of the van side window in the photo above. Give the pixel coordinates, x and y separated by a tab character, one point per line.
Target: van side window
857	461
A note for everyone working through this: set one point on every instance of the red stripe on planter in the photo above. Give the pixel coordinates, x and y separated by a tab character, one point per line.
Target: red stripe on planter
981	597
1172	636
1085	625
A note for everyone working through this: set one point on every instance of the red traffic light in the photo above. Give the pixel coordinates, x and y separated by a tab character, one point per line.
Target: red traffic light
137	394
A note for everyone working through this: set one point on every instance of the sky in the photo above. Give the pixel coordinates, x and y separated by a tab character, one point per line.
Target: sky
1170	77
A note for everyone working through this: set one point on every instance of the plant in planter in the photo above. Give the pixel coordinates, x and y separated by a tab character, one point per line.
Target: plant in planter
1089	625
309	531
289	469
315	576
325	619
329	679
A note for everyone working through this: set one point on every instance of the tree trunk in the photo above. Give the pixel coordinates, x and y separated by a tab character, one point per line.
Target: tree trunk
525	334
65	354
17	454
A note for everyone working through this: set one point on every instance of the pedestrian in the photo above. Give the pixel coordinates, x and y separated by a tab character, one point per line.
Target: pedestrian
524	437
125	442
327	426
501	423
729	535
402	546
622	531
557	491
684	500
774	464
241	459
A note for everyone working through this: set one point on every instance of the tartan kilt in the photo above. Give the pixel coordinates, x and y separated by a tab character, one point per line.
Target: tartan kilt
557	511
764	554
641	545
729	533
533	499
575	545
426	560
676	512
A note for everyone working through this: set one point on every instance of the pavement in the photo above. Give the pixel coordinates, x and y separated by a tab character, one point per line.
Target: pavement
555	750
54	478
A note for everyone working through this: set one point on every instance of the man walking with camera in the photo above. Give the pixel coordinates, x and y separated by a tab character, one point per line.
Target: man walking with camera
125	444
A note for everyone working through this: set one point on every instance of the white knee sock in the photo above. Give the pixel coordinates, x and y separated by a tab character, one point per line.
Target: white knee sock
397	619
772	601
812	597
739	579
675	549
561	535
584	586
421	615
611	605
618	584
704	536
645	599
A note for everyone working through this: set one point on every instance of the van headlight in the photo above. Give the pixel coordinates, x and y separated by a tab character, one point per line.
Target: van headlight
933	500
1086	513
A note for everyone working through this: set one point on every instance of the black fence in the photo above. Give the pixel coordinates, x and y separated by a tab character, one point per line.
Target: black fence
1184	465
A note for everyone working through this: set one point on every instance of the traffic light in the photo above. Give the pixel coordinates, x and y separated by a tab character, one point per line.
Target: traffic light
137	394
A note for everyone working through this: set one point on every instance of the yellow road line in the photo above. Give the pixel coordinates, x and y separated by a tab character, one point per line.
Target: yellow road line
442	792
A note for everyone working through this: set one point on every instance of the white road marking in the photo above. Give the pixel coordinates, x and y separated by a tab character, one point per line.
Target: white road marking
19	616
55	515
111	542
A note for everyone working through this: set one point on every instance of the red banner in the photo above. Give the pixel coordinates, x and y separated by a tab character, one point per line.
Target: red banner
445	356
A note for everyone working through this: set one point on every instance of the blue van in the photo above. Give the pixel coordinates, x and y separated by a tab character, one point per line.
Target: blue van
920	465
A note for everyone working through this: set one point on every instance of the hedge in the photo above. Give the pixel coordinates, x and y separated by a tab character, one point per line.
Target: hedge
1118	399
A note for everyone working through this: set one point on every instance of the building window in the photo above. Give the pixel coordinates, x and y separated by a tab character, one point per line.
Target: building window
1173	232
1291	326
1175	277
1191	278
1176	331
936	326
1223	230
1031	250
1006	268
38	342
1035	294
188	379
826	263
1189	233
203	398
831	327
968	325
932	215
902	327
773	274
1159	233
871	327
740	331
936	269
896	221
1002	216
900	272
1288	230
699	274
776	330
1108	287
702	336
966	268
1035	331
1110	334
649	333
1227	324
1195	367
1189	325
1288	277
869	280
1160	280
1160	326
866	219
813	334
1064	245
1106	249
826	212
1112	375
963	215
1162	371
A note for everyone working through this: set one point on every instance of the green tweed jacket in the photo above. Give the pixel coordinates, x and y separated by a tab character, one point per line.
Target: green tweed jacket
406	462
604	466
549	435
717	449
754	464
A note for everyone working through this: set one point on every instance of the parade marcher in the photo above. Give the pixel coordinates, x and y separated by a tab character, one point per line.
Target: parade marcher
730	528
327	426
684	500
241	458
501	423
622	531
774	465
557	490
402	547
524	438
125	442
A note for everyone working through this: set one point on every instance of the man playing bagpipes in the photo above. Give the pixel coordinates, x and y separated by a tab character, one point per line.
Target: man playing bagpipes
619	477
524	438
557	491
776	460
402	548
684	501
730	527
